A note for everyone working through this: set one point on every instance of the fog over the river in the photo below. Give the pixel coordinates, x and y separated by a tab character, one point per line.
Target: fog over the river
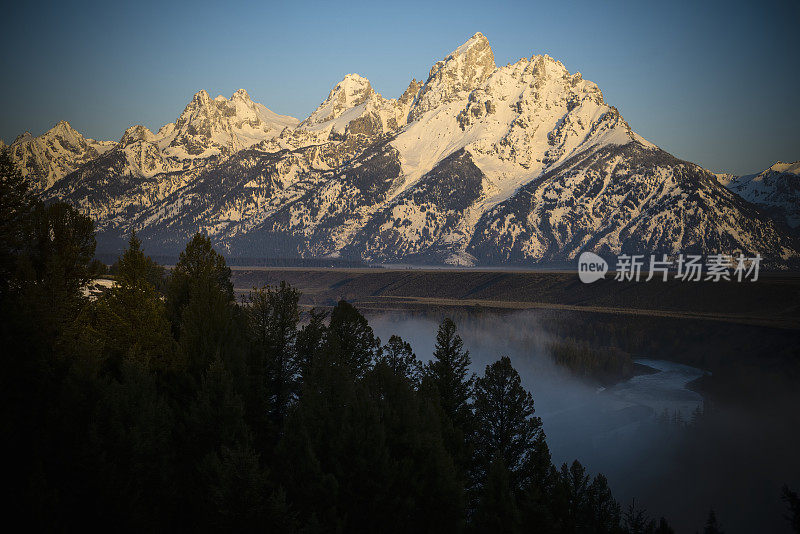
735	464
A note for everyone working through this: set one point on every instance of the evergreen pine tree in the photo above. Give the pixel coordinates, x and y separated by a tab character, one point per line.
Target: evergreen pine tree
135	268
16	205
400	358
603	511
635	520
131	318
200	303
712	527
310	340
497	510
571	498
351	339
272	318
198	264
54	266
505	423
448	380
356	452
793	503
663	527
576	503
449	373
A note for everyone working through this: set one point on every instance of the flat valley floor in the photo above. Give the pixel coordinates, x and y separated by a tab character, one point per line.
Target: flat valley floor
773	301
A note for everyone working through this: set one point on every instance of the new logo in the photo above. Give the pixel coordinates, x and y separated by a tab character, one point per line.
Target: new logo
591	267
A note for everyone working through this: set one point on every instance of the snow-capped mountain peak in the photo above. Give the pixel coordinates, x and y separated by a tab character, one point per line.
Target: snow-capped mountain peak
49	157
220	126
479	164
354	110
352	91
463	70
137	133
23	137
477	42
786	168
776	190
516	121
241	94
201	98
65	131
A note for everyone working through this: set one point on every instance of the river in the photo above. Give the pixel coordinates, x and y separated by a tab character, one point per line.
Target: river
735	463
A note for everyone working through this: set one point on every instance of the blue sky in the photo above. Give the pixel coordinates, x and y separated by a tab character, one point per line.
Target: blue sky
716	83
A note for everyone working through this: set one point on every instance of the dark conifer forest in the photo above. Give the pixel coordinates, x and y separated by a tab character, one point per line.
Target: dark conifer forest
166	405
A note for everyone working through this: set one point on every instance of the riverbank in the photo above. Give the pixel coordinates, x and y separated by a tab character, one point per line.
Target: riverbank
769	302
734	330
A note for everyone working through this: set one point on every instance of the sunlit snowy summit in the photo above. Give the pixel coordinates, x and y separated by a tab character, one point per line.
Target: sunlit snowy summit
476	165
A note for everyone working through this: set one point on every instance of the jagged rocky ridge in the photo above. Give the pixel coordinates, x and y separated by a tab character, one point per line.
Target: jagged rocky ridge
477	165
49	157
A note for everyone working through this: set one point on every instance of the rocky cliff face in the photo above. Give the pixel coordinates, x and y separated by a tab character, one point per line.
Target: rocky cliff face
476	165
456	75
220	126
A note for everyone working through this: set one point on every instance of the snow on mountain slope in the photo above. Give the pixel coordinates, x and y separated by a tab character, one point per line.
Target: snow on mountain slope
236	194
724	178
220	126
521	120
450	79
352	91
144	156
431	222
51	156
491	135
117	186
628	198
320	213
354	108
144	168
477	165
776	190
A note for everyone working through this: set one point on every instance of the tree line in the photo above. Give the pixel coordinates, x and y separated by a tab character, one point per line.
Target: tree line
166	405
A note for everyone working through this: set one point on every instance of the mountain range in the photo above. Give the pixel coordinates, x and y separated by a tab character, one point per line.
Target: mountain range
477	165
775	190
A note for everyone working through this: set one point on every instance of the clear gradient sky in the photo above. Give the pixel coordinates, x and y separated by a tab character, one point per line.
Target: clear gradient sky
712	82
